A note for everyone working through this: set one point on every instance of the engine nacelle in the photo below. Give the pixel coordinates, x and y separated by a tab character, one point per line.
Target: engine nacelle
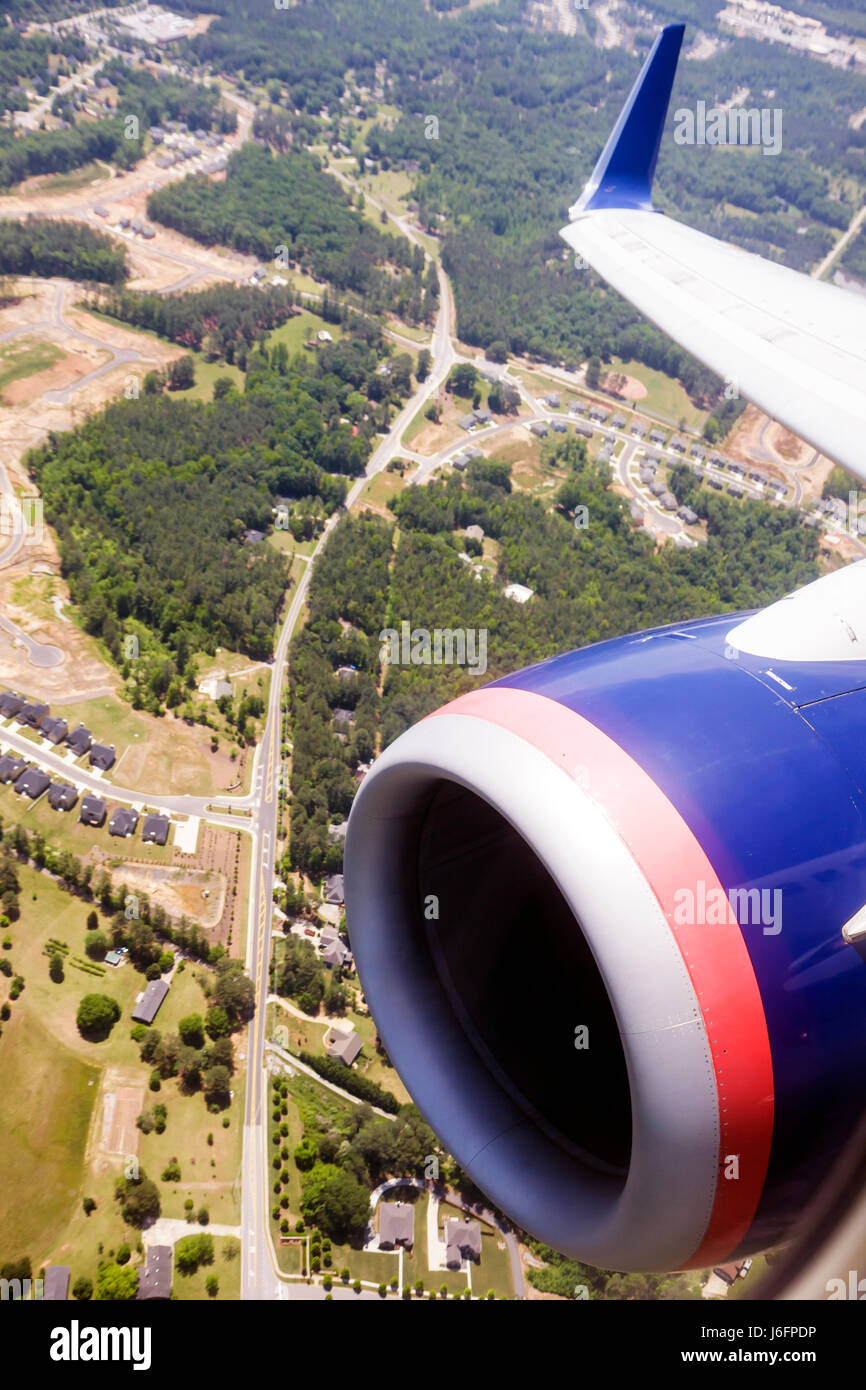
597	910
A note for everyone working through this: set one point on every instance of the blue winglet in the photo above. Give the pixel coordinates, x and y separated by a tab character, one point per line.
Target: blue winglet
623	176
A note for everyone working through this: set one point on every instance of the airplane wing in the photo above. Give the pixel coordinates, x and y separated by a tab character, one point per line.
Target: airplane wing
793	345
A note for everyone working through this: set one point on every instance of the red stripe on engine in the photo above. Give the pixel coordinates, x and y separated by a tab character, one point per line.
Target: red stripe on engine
716	956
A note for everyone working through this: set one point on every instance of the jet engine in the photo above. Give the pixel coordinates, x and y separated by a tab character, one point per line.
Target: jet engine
606	913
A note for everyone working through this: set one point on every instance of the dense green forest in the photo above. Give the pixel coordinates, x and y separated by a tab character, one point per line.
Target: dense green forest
272	201
223	321
43	246
589	585
520	117
151	499
168	98
57	151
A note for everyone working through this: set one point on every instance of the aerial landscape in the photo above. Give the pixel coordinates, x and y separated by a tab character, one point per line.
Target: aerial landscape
356	355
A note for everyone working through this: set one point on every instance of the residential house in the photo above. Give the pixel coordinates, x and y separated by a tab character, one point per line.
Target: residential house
342	1043
92	811
396	1225
150	1002
32	783
62	796
102	757
123	821
80	740
155	830
462	1241
154	1282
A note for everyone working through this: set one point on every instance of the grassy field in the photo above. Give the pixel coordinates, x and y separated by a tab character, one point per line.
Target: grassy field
187	1287
384	486
51	1079
19	360
45	1106
295	332
665	396
75	178
206	373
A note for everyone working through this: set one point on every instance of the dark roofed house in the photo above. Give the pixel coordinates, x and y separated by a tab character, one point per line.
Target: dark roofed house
32	714
482	415
687	515
552	399
668	501
462	1241
102	756
735	490
638	427
334	954
538	427
55	1287
334	891
618	421
657	489
467	422
396	1225
252	537
698	451
80	740
149	1004
123	821
678	443
32	783
598	412
343	1046
10	767
646	476
54	729
585	430
10	704
155	1279
62	796
155	830
658	436
92	810
559	426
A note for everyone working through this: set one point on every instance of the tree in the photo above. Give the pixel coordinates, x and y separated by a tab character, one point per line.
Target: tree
217	1085
82	1289
140	1198
96	945
336	1202
97	1015
181	374
191	1030
55	968
425	362
464	379
89	1205
192	1251
497	351
212	1285
593	373
119	1283
217	1023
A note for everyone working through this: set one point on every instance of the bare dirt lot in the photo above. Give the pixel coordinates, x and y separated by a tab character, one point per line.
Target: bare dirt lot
628	388
182	891
120	1106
